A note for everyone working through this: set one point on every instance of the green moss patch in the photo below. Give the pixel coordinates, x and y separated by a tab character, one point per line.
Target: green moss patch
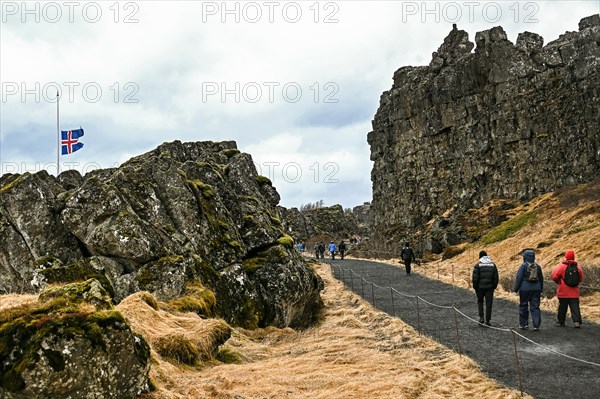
14	182
197	299
286	241
262	180
78	271
89	291
228	355
509	227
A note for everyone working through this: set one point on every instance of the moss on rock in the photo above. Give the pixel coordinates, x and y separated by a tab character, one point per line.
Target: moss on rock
286	241
197	299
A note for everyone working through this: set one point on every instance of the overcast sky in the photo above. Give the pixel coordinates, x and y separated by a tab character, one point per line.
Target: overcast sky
295	84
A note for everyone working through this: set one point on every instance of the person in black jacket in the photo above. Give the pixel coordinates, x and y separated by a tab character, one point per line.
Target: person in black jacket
485	281
408	256
342	249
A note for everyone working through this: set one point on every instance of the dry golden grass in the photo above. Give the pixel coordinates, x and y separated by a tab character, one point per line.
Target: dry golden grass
355	352
164	330
13	300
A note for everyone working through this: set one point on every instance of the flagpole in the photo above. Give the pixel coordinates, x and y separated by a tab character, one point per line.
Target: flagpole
57	137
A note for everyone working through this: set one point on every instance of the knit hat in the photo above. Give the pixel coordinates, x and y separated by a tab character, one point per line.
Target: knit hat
482	254
570	255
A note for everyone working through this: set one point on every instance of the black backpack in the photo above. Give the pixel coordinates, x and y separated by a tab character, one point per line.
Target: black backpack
571	277
533	270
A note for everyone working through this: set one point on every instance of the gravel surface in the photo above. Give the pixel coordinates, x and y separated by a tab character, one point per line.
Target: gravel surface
544	374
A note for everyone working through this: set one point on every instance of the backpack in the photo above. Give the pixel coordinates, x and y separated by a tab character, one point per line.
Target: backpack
571	277
533	270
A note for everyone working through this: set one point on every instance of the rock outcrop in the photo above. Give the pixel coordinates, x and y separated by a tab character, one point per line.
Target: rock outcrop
182	214
72	343
330	221
505	121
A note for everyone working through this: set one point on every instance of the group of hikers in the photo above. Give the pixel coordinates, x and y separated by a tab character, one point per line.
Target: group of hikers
332	248
529	284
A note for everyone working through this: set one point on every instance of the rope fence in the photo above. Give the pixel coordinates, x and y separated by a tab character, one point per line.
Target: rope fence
414	301
454	274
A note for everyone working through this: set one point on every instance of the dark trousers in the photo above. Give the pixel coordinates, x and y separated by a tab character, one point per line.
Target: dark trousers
530	302
489	300
407	265
571	303
342	254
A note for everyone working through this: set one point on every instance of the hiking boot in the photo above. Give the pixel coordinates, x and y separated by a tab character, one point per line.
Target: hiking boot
536	329
487	323
577	324
481	321
523	327
559	324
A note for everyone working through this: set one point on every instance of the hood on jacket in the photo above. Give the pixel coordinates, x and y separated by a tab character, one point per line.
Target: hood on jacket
570	255
485	260
529	256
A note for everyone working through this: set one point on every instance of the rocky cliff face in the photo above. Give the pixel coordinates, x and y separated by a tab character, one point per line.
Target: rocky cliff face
503	121
184	213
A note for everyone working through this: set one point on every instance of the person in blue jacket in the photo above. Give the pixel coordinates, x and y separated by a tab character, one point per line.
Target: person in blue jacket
529	284
332	249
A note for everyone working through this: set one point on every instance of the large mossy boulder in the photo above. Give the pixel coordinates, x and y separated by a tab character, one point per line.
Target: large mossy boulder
182	213
71	343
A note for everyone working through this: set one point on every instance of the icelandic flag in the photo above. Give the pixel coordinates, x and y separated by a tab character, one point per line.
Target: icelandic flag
70	141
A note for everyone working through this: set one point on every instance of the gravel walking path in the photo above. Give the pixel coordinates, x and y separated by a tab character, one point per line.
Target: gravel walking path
544	373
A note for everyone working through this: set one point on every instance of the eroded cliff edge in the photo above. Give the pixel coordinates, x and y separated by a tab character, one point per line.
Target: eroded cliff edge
501	121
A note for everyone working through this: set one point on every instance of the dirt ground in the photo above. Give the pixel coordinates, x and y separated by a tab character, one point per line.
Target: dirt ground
543	372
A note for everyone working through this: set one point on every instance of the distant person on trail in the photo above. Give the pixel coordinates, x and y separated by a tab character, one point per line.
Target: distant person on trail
529	284
342	249
322	250
568	275
408	256
332	248
485	281
316	249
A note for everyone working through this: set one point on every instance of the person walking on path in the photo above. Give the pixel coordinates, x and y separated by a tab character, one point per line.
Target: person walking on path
342	249
322	249
408	256
316	250
529	284
485	281
332	248
568	275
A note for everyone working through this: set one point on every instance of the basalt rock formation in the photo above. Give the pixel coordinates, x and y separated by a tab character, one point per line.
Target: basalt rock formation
329	221
183	215
508	121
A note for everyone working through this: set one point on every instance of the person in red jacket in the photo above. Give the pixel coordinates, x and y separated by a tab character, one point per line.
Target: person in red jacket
567	296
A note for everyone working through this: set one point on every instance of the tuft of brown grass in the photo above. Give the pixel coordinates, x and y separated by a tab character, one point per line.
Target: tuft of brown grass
355	352
179	337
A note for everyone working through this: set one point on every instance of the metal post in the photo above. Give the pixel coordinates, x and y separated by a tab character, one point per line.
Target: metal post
373	293
517	361
393	304
418	316
457	333
438	270
452	273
